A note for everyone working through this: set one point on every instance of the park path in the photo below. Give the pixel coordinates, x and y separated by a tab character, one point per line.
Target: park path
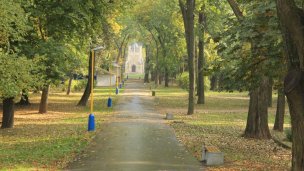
137	139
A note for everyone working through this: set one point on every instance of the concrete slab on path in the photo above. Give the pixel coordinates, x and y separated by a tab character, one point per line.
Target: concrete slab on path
137	139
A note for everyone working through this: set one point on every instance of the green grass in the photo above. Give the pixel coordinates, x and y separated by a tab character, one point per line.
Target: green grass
49	141
221	122
134	76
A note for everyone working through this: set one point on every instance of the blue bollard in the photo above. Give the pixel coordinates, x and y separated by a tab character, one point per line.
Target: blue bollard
109	102
117	90
120	85
91	125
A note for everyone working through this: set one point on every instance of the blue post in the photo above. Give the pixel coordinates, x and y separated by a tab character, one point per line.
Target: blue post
91	125
117	90
109	102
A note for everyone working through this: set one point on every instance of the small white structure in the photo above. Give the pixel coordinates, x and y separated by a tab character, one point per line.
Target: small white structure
169	116
108	78
212	155
105	78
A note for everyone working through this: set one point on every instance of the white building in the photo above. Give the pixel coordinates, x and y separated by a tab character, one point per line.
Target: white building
135	61
108	78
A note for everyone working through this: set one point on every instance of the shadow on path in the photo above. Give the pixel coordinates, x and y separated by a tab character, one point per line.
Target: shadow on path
137	139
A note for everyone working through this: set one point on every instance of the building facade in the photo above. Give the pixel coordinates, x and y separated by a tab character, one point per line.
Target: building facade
135	60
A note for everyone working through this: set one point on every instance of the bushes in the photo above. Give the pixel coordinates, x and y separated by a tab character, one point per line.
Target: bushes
183	81
288	134
79	85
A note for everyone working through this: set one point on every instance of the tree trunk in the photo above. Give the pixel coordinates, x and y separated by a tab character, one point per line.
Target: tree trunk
70	85
294	89
8	113
279	119
167	77
87	92
147	67
152	76
201	58
213	83
160	78
291	22
24	101
270	93
188	18
236	10
44	100
257	121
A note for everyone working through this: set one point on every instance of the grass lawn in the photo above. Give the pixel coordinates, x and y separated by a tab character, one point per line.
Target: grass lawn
49	141
221	122
134	76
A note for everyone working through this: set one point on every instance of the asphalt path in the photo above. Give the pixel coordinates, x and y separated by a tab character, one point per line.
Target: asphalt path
137	139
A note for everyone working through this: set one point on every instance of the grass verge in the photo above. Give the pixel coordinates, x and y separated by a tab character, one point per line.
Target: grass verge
221	122
50	141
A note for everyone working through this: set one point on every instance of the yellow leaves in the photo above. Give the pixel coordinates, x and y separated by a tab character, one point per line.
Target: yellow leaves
112	20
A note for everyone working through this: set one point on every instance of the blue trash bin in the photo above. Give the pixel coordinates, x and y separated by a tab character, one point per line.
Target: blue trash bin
117	90
109	102
91	124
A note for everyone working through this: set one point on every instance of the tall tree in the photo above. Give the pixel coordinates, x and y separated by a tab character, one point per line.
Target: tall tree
257	121
14	69
188	18
291	19
201	57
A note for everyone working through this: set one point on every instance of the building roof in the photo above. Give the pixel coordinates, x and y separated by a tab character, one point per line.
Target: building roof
103	71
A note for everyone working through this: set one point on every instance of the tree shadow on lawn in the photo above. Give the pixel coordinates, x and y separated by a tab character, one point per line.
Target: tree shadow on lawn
47	144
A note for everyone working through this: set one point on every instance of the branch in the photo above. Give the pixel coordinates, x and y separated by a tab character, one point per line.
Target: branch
236	9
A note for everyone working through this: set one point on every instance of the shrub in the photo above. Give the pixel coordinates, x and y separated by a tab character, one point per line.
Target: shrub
288	134
183	80
79	85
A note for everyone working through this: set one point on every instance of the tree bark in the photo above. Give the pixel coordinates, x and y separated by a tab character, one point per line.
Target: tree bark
270	93
188	18
147	66
44	100
87	92
201	58
291	20
236	10
167	77
24	100
69	85
279	119
8	113
257	121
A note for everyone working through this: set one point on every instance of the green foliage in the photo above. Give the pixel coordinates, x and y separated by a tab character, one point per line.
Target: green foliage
15	74
250	48
79	85
288	133
13	25
183	80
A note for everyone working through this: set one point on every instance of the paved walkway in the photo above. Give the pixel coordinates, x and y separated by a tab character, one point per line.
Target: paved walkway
138	139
